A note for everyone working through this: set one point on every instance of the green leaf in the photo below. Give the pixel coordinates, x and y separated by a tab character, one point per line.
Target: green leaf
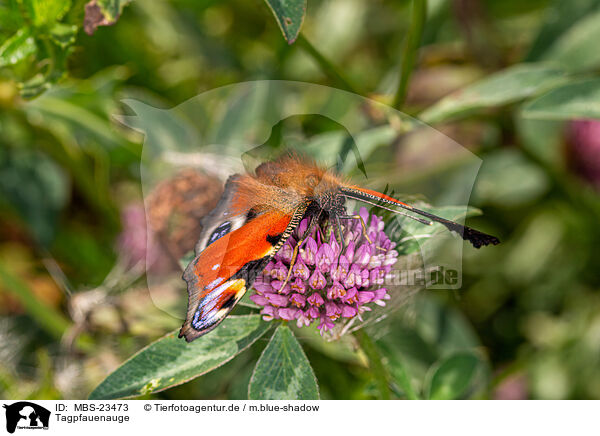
241	114
577	49
11	19
508	179
34	86
63	34
559	17
397	370
283	372
412	42
343	350
325	146
412	347
543	138
574	100
44	12
512	84
111	9
63	109
17	47
445	327
171	361
289	15
41	82
451	377
164	130
36	187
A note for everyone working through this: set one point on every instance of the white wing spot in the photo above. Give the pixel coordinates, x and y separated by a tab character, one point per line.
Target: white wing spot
214	283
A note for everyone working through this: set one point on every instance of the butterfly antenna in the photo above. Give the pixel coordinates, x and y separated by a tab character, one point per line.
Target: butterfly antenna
475	237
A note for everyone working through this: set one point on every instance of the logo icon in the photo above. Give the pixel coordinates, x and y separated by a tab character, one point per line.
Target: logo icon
26	415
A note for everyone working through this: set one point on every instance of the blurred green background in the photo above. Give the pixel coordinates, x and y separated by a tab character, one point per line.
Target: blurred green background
515	82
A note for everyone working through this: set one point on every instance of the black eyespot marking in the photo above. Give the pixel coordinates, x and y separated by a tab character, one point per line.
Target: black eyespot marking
251	214
219	232
274	239
251	269
229	302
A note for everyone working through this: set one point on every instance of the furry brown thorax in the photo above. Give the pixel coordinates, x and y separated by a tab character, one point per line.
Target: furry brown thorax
286	183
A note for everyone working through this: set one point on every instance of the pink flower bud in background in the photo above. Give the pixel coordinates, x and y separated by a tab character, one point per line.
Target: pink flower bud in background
583	150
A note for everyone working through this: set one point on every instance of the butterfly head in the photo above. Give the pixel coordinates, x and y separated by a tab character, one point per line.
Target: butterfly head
331	201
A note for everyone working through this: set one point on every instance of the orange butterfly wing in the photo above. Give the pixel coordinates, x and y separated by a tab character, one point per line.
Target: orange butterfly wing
219	276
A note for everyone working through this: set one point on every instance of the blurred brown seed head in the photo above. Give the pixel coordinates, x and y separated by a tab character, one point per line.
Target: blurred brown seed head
176	206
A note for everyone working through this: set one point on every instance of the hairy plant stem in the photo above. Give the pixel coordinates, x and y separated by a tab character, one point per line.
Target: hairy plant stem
378	370
411	47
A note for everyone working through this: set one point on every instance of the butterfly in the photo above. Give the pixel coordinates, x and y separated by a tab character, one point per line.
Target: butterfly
256	215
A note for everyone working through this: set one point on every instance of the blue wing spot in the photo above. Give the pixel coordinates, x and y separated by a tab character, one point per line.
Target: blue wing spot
219	232
206	314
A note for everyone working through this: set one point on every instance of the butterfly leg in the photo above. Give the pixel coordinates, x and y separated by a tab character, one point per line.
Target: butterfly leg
309	229
362	223
337	229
